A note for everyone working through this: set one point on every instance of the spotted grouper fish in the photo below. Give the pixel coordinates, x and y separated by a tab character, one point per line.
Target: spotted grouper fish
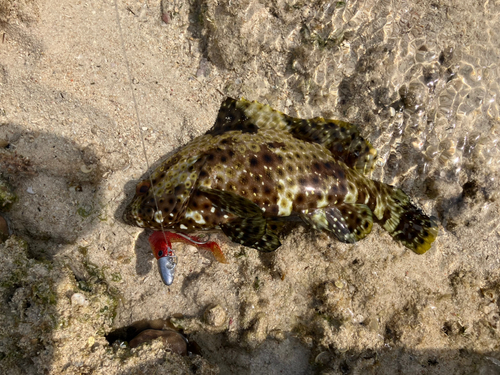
258	168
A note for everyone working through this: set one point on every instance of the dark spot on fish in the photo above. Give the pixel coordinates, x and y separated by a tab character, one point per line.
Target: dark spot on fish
274	210
143	187
275	144
268	158
243	179
254	161
179	189
316	166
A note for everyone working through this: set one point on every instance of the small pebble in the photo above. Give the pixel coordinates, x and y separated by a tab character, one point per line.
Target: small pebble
86	169
215	316
165	17
79	299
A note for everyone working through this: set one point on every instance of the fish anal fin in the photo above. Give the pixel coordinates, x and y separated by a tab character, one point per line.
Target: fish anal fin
356	218
348	222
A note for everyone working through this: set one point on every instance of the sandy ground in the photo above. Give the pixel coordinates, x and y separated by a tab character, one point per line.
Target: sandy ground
420	79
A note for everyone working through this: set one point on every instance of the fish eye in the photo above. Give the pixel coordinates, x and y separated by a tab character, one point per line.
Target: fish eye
143	187
160	253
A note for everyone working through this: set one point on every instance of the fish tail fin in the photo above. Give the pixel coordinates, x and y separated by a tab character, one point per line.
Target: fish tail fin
404	221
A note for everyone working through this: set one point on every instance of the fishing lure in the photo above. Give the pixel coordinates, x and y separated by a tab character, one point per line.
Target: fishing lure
258	168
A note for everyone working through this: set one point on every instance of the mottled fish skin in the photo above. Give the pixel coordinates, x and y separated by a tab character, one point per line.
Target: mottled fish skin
258	167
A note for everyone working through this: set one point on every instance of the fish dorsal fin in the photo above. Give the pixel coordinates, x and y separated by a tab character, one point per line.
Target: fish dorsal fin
341	138
232	117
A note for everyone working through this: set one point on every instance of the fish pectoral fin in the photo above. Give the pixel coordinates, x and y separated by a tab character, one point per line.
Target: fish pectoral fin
348	222
250	228
233	203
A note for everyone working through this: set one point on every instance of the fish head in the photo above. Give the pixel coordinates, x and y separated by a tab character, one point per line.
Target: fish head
160	201
154	206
